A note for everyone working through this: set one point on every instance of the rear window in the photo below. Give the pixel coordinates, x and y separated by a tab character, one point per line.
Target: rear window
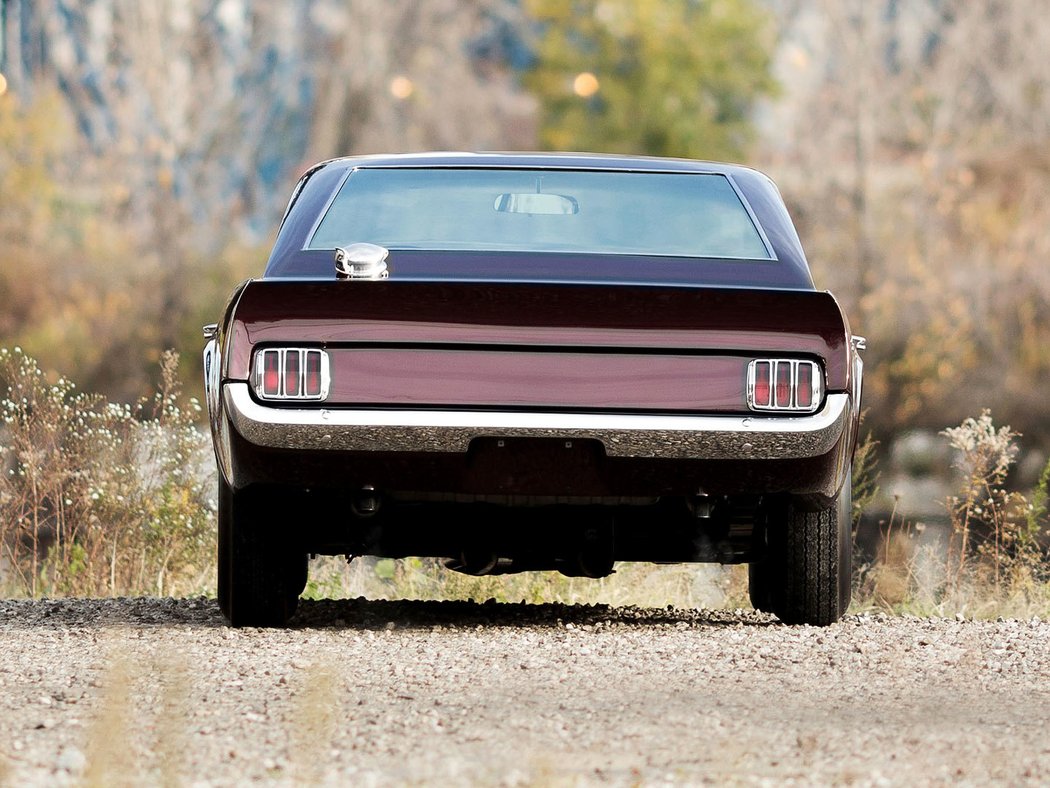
521	210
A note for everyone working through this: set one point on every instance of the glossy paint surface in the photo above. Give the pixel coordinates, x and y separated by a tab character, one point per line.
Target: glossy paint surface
539	331
522	379
659	320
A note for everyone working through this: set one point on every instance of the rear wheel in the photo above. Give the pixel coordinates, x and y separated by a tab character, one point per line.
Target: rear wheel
222	583
760	584
804	577
260	572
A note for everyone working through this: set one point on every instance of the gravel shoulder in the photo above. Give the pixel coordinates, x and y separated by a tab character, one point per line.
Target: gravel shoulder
373	692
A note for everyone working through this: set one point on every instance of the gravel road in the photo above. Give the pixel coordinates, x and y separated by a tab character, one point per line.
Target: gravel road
374	693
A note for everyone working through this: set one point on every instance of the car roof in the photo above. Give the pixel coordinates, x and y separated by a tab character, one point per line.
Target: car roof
496	159
318	184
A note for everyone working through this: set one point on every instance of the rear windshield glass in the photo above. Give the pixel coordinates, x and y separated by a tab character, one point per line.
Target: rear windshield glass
596	212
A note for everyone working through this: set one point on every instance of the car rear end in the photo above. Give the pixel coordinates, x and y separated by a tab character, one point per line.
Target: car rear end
418	396
559	400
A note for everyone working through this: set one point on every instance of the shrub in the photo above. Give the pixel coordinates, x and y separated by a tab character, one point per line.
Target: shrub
864	482
994	562
100	498
989	521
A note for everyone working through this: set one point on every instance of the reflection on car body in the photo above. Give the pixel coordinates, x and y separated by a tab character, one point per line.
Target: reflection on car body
522	361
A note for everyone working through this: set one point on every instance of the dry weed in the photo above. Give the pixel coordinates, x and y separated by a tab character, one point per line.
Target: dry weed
98	498
990	523
994	563
644	585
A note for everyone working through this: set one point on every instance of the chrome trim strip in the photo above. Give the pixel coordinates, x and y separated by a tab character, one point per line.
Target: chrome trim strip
623	435
211	377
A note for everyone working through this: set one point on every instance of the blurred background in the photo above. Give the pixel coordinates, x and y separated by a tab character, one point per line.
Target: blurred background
147	150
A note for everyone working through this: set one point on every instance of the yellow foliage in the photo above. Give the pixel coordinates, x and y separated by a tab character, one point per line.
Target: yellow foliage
84	290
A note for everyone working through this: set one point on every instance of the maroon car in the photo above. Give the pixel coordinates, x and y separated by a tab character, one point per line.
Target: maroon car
534	362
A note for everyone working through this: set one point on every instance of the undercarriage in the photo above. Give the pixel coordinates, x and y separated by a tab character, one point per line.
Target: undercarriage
482	536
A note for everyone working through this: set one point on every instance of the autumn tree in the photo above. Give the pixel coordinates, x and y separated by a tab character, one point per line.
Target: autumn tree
912	149
664	77
147	149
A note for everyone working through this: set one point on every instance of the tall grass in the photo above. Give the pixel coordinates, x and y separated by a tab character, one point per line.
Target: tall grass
99	498
642	585
996	559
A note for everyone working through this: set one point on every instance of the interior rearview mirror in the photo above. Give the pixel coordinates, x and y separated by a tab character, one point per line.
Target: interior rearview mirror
531	202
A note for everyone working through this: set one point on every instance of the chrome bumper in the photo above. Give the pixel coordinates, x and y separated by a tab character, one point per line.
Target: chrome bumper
623	435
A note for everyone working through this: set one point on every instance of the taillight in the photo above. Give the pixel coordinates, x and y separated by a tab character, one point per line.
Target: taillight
270	361
804	386
314	383
291	374
784	385
762	378
783	399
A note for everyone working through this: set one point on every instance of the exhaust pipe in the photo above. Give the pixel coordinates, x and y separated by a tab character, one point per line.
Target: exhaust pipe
474	562
584	565
594	558
366	502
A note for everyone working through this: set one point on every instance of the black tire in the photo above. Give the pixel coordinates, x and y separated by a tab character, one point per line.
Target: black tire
814	571
222	558
765	577
845	536
760	584
757	588
262	573
806	572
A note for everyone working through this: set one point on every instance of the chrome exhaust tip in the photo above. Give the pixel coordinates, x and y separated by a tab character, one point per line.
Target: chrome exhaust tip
366	502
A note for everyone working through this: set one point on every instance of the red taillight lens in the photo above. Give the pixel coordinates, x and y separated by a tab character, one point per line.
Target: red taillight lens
783	384
762	378
291	372
271	376
804	386
313	373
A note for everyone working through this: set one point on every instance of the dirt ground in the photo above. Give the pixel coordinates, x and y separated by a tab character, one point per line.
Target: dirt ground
357	692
